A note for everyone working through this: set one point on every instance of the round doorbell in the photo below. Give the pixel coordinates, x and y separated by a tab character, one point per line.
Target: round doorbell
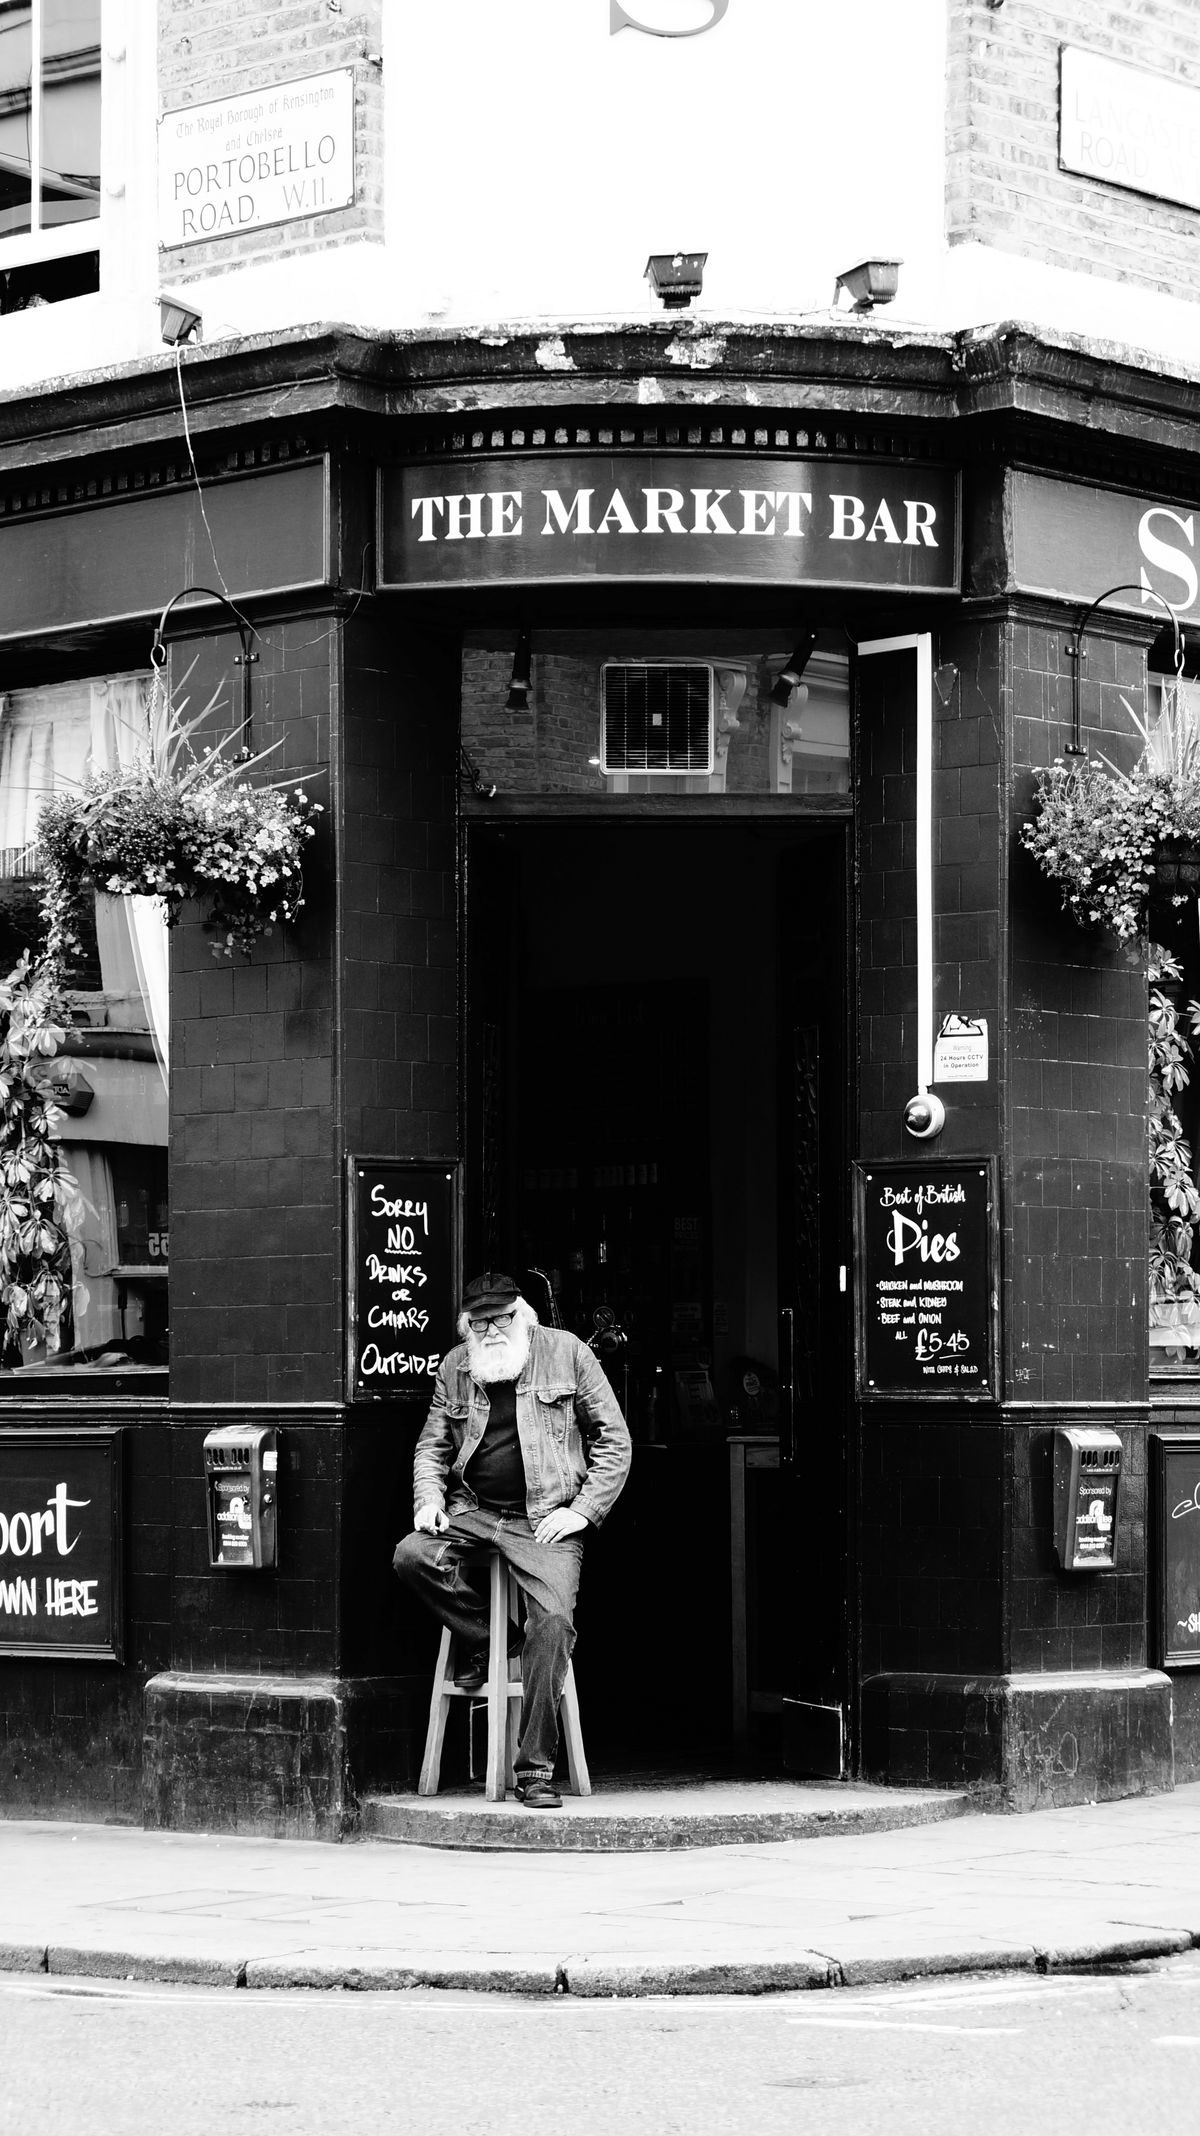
924	1116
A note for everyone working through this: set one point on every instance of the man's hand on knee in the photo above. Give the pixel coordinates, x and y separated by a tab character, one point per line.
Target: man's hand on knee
430	1520
563	1521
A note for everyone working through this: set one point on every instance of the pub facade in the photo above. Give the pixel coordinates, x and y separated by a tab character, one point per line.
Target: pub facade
672	689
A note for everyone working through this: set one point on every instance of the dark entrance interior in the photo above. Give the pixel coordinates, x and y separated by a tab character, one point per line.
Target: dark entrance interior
656	1145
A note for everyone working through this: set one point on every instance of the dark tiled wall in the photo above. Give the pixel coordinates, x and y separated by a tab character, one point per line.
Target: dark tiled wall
967	710
254	1175
931	1535
71	1731
931	1542
399	892
965	1575
283	1620
1072	1620
1075	1185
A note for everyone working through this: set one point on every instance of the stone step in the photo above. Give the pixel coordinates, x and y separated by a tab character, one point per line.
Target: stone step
640	1816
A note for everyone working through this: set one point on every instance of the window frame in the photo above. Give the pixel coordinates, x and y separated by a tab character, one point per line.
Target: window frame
43	242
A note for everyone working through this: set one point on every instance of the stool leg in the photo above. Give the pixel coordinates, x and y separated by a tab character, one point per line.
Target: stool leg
497	1692
573	1736
439	1707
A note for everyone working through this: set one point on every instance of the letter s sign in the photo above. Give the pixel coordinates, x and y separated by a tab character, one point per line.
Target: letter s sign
619	19
1165	556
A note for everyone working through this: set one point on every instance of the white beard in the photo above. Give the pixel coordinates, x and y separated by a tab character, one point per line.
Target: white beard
493	1357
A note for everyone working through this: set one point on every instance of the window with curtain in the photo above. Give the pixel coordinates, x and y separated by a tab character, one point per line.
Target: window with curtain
115	1129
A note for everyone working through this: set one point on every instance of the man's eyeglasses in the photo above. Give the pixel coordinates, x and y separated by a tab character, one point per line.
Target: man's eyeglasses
494	1320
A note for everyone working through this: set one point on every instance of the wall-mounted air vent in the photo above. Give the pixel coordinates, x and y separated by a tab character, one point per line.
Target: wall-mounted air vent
657	717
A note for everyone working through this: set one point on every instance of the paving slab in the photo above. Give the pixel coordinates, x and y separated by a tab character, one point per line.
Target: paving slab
1118	1883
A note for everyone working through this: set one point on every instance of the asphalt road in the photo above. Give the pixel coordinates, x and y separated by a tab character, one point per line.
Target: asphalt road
1076	2053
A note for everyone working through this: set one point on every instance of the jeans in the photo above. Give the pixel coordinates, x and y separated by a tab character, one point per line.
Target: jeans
438	1569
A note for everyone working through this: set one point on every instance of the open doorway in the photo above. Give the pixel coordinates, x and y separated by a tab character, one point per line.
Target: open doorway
656	1113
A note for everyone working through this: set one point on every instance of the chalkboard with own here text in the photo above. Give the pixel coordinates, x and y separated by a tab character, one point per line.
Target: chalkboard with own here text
926	1296
61	1547
404	1278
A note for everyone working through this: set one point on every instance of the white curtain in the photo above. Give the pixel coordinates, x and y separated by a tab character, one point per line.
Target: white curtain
92	1226
45	742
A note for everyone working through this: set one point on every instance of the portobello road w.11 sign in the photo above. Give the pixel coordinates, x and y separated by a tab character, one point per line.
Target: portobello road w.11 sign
779	521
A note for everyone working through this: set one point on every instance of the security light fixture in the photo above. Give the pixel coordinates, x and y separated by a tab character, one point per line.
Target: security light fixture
789	679
1170	643
872	282
179	323
521	680
676	277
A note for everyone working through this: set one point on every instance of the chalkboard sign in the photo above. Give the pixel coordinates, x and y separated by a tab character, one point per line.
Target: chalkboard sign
61	1544
404	1277
925	1268
1175	1469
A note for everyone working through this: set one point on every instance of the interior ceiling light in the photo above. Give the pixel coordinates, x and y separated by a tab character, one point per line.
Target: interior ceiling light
790	677
521	680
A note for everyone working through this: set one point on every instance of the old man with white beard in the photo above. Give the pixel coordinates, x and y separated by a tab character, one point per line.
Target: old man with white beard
524	1449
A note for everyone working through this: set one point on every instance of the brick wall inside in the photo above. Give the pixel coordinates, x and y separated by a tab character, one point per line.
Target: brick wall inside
1003	183
210	50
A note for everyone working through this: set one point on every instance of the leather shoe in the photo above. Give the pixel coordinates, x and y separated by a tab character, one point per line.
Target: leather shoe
538	1793
472	1672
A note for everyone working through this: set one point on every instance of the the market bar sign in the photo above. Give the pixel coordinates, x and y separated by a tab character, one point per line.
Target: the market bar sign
925	1279
404	1275
61	1544
777	521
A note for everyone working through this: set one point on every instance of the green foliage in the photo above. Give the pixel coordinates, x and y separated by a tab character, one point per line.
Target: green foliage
1174	1199
1097	832
37	1193
175	825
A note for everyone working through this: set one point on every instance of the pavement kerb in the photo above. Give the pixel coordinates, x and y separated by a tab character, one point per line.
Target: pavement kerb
608	1977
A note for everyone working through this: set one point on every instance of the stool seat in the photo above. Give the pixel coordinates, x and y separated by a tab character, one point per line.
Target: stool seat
504	1693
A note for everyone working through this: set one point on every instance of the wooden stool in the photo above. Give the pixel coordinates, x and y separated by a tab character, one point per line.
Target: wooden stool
504	1694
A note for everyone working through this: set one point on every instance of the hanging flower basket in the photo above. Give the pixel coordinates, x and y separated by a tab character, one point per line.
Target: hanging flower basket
173	825
1114	841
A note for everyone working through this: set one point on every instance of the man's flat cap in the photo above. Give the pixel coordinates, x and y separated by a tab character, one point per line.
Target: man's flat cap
490	1293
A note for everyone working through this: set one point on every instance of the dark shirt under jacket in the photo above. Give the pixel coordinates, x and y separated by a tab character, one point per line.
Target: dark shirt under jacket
495	1471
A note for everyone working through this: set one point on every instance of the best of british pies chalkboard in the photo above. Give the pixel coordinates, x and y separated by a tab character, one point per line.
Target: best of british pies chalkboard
926	1298
404	1275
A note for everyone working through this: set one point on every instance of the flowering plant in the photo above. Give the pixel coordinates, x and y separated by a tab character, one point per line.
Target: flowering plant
38	1195
1174	1199
173	825
1099	832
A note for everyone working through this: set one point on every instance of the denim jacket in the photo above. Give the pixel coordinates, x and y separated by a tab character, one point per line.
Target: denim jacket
573	1438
